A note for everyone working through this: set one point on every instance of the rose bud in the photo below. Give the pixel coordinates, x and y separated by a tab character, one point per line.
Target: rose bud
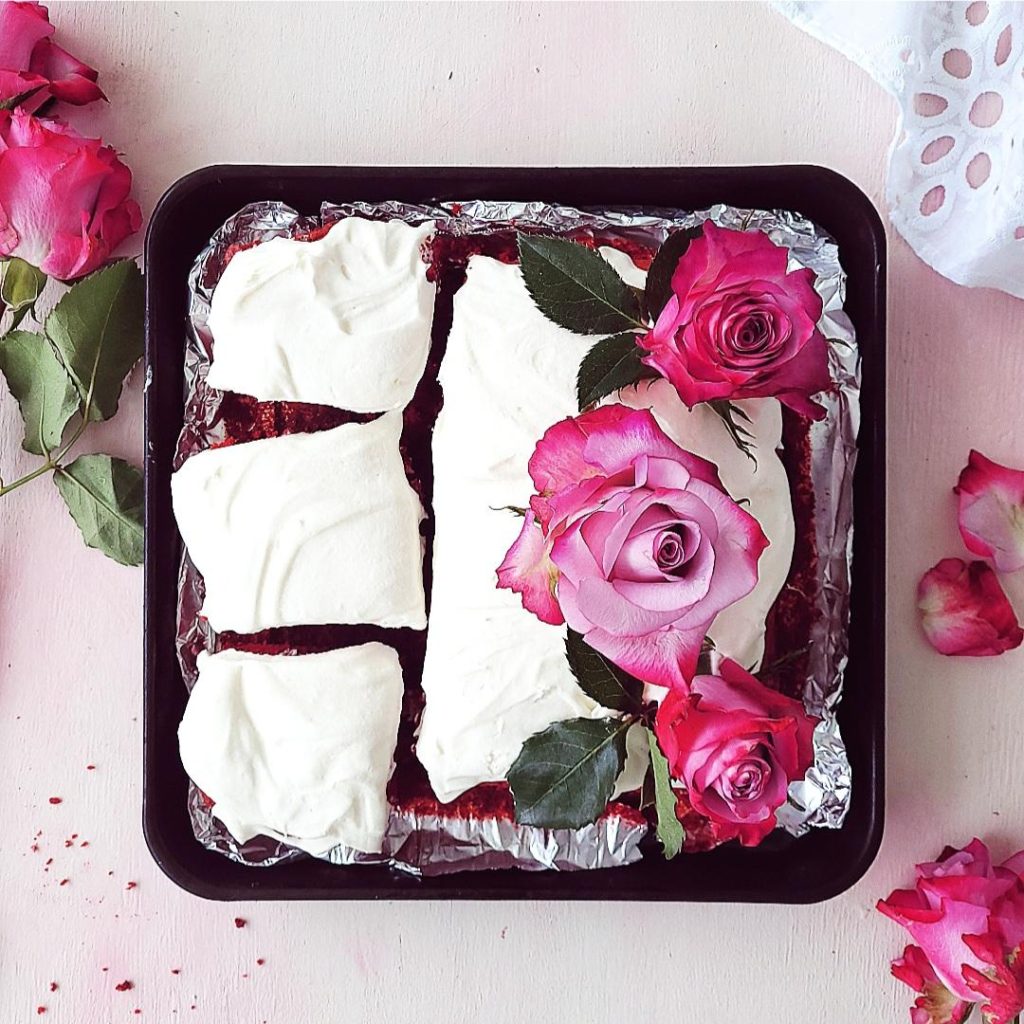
64	199
30	62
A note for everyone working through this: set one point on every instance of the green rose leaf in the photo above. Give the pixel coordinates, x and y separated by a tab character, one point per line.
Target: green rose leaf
22	284
670	831
96	329
574	287
599	679
104	496
40	385
564	776
659	278
611	364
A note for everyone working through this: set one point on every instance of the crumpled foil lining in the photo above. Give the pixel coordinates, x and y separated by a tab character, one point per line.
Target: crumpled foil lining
433	843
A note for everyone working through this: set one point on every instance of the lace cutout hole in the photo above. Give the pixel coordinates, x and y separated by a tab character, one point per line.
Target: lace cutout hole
927	104
978	170
1004	44
986	110
932	200
937	149
958	63
976	13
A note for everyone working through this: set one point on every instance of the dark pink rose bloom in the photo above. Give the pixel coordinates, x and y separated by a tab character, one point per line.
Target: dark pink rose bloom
632	541
30	60
739	326
64	199
966	917
736	745
991	511
965	611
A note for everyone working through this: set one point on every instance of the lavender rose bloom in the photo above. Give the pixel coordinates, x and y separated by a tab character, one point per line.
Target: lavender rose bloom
632	541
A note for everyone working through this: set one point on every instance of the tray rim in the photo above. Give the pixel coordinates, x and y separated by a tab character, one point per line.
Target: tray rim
773	183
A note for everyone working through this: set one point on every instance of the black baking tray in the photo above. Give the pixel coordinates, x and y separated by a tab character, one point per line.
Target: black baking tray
814	867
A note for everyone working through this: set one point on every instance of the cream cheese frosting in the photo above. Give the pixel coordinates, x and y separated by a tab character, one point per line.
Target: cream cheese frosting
297	747
495	675
305	529
342	321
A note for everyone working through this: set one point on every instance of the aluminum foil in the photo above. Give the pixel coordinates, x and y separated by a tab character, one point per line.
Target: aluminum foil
432	843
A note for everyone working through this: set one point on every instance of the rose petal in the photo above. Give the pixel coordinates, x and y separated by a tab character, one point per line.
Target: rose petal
991	511
528	571
964	610
666	658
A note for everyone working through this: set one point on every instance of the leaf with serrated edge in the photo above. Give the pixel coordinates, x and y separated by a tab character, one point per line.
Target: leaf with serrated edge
613	363
96	329
599	679
40	385
658	289
670	831
104	497
564	776
575	288
21	285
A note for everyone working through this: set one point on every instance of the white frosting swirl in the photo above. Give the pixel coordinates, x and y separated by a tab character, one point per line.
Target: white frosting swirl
342	321
305	529
297	747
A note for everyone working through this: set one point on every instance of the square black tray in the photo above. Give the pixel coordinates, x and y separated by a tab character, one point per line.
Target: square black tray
812	868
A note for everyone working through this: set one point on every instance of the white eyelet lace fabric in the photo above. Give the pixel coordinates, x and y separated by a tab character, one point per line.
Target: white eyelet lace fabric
956	174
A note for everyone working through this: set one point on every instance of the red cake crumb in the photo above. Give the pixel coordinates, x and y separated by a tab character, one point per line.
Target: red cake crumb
34	847
175	970
260	961
124	986
240	922
53	986
64	881
56	800
40	1009
131	885
90	767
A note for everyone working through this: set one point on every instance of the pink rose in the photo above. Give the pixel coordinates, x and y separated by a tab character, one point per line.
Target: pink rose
739	326
965	611
632	541
991	511
966	917
30	60
736	745
64	199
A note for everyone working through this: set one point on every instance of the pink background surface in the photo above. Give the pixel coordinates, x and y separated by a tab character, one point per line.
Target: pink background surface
651	84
